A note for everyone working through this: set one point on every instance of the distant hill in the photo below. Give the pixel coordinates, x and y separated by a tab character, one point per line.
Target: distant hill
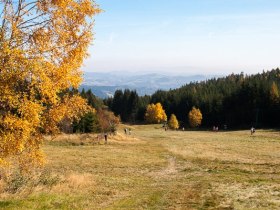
104	85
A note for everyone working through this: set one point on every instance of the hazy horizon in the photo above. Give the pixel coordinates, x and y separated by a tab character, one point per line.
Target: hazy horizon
176	73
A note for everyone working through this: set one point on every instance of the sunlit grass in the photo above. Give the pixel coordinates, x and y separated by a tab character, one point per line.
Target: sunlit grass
155	169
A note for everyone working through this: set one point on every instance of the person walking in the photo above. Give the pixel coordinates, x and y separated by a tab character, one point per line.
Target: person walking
253	130
105	137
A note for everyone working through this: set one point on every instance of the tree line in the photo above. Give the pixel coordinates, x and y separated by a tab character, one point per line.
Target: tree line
99	119
237	101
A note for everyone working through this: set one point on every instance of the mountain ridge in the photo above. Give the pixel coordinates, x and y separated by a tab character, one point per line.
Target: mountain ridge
104	84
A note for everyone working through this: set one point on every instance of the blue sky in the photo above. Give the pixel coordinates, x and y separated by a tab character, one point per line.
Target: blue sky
186	36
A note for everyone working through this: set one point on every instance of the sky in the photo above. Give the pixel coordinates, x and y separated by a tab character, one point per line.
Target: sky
186	36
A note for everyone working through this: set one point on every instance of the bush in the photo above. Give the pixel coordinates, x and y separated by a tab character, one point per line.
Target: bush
18	181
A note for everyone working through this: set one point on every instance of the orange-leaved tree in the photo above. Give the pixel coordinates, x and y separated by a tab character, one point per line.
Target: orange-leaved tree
42	46
107	120
173	122
195	117
155	113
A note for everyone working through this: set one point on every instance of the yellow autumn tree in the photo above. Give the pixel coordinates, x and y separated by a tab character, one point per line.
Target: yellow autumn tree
155	113
42	46
173	122
274	94
195	117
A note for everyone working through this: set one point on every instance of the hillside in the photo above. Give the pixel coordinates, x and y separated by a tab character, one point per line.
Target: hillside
104	85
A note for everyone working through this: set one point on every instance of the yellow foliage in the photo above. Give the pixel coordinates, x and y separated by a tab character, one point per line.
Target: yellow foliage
155	113
274	93
195	117
173	122
42	46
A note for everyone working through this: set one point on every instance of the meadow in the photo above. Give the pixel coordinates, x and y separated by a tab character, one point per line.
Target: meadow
154	169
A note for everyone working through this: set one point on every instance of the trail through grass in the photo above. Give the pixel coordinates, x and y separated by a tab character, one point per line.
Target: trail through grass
155	169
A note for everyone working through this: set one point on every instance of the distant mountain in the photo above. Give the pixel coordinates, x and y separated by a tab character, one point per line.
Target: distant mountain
104	85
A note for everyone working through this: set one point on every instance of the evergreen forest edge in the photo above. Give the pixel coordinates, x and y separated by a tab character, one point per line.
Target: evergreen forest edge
238	101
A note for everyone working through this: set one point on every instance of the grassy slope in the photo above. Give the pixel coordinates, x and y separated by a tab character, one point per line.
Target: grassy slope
154	169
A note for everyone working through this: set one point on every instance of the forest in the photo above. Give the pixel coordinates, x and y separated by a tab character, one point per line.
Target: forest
238	101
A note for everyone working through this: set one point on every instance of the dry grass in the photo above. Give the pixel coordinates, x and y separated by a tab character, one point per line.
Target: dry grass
88	139
154	169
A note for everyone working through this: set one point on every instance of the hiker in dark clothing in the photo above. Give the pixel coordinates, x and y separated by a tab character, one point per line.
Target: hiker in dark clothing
105	137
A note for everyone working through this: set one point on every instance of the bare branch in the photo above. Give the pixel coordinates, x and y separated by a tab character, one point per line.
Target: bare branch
19	8
35	24
28	4
4	18
27	11
29	20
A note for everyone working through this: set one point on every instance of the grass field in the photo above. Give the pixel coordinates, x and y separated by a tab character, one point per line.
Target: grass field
155	169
